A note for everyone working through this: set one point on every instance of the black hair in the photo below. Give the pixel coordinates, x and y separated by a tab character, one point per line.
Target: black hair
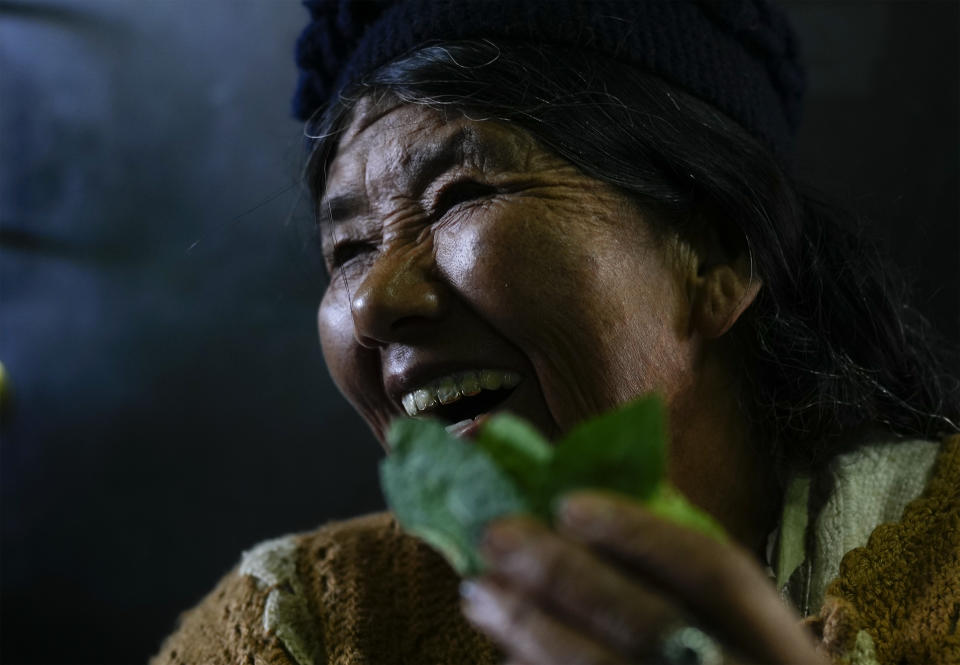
829	349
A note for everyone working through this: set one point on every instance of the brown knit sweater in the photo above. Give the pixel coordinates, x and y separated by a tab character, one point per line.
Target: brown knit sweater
371	595
897	600
361	592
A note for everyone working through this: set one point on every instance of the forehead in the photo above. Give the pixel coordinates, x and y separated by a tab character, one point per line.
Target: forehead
402	144
375	119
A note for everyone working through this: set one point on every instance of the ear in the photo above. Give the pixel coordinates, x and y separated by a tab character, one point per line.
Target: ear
721	293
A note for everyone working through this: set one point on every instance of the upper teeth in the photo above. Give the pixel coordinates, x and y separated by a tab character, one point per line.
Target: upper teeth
450	388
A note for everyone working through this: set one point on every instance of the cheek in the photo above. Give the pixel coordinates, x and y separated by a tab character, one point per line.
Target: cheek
496	258
354	369
348	362
335	326
595	315
541	287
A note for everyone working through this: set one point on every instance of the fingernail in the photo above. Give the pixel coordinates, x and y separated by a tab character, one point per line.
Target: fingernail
574	508
468	591
475	596
587	511
501	538
474	603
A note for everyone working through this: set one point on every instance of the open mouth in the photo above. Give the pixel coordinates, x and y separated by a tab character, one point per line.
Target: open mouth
469	408
461	397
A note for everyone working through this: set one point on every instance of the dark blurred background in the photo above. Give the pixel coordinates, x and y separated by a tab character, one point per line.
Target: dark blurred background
168	403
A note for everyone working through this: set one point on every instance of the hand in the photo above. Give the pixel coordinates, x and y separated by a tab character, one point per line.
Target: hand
614	580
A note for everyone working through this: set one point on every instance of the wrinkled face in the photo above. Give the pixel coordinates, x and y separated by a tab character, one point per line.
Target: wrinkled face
474	272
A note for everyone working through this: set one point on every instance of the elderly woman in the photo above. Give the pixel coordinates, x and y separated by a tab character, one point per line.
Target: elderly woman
552	208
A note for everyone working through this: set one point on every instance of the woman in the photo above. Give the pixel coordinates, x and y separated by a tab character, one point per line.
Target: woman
552	209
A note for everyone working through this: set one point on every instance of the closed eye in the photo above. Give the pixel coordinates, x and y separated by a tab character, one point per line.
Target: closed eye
345	251
461	192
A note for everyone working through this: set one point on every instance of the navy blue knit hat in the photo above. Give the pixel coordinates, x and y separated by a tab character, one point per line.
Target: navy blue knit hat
739	55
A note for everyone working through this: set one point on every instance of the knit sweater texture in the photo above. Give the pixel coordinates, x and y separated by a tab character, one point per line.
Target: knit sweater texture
897	599
361	591
353	592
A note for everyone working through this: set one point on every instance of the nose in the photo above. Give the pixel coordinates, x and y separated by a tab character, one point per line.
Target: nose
398	297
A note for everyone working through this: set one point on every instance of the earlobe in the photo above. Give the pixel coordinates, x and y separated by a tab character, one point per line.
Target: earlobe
722	294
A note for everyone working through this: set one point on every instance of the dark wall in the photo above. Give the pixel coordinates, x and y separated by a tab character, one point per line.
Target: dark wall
158	284
881	131
169	402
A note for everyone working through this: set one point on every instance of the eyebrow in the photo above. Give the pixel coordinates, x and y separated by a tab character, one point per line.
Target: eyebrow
340	208
423	166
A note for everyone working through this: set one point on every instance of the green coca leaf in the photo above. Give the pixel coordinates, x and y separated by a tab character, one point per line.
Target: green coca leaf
446	490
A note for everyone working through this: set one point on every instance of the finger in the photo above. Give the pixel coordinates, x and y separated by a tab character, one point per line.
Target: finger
585	591
525	632
720	582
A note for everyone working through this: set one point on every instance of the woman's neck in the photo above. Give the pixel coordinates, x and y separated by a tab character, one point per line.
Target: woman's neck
716	465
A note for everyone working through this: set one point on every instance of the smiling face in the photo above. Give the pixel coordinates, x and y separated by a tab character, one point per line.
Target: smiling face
474	272
463	256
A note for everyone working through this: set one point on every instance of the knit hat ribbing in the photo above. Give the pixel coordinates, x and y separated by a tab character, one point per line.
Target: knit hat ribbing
739	55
